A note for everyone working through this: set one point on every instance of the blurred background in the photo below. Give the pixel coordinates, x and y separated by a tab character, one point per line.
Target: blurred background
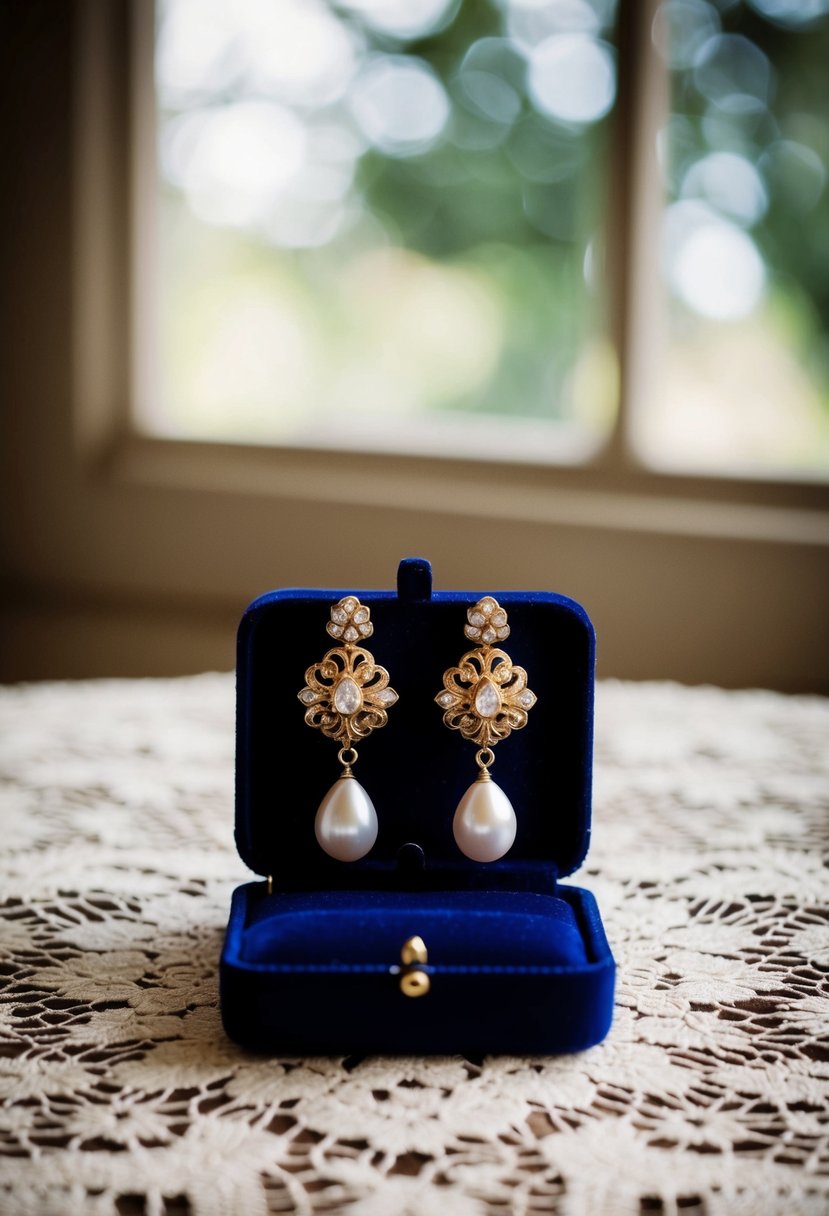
538	289
377	216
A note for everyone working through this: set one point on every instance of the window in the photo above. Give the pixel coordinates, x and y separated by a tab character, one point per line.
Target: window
382	220
383	224
745	152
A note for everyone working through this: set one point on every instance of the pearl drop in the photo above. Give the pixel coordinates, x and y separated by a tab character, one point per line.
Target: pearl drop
346	822
484	823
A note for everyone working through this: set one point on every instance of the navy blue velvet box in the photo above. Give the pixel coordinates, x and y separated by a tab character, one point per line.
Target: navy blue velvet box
518	961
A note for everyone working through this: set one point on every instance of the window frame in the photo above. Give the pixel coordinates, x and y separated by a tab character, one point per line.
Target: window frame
635	307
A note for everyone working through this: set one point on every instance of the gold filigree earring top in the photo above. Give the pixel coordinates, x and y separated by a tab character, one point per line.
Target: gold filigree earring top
346	696
485	697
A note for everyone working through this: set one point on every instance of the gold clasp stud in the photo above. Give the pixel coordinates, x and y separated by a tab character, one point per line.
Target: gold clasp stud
414	981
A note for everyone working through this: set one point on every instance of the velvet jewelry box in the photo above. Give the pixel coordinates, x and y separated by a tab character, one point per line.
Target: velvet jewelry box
414	948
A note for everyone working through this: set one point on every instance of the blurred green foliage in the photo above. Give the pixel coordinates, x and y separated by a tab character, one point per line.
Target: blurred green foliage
509	205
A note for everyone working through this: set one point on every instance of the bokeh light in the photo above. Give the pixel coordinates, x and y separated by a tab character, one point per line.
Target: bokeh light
492	77
730	183
405	19
233	162
295	50
195	57
572	77
531	22
399	104
712	265
796	14
733	74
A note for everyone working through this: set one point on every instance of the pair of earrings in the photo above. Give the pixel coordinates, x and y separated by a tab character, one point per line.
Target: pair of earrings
347	695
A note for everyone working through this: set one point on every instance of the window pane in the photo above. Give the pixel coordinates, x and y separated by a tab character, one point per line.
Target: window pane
746	237
380	217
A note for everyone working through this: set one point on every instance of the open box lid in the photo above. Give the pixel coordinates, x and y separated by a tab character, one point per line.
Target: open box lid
415	770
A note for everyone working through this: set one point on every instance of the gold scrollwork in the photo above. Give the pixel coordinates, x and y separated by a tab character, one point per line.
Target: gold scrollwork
347	693
486	696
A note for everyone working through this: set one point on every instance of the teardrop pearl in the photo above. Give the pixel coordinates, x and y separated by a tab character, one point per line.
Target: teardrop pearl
484	823
346	822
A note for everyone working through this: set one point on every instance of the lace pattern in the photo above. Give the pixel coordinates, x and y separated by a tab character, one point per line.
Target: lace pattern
119	1093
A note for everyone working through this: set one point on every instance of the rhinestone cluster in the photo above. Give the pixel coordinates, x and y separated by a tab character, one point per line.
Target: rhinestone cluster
347	692
350	620
486	696
487	622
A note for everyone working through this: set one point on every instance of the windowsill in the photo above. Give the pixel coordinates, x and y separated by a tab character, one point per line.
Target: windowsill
604	493
450	436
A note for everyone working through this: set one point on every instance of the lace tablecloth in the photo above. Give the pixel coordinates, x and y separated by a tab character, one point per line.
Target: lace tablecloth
120	1093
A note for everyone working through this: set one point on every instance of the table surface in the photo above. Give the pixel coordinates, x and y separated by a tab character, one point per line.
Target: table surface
119	1092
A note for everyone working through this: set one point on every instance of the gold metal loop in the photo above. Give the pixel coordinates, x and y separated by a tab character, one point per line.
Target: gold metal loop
485	758
342	753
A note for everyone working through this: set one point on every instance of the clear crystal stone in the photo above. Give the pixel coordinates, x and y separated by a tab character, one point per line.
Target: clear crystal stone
487	699
487	606
349	605
472	632
366	630
499	617
335	630
476	618
387	696
347	697
351	634
360	615
339	616
488	634
446	698
503	633
307	697
527	699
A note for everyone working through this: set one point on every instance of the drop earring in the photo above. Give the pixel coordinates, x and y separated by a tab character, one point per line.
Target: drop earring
346	696
486	698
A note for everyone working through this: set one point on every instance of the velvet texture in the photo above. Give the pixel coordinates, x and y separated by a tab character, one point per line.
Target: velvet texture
369	927
344	997
518	962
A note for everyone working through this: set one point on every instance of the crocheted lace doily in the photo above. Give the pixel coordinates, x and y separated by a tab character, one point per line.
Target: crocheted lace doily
120	1093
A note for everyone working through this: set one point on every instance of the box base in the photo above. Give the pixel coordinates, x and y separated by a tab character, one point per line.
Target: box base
319	972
